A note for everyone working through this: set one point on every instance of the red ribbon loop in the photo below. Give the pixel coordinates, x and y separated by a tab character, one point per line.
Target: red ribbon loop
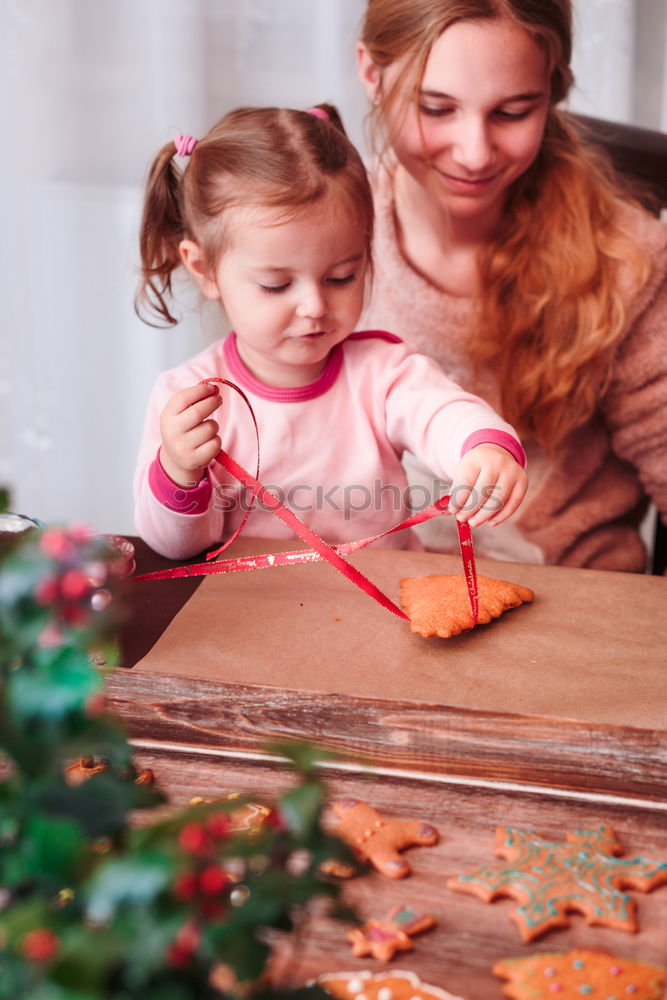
319	549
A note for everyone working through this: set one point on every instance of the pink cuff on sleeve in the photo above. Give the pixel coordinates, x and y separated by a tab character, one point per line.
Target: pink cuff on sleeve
182	500
501	438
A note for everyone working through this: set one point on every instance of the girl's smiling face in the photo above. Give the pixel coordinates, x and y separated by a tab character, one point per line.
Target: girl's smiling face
292	289
479	118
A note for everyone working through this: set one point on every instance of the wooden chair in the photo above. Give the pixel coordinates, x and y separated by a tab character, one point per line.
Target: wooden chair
641	155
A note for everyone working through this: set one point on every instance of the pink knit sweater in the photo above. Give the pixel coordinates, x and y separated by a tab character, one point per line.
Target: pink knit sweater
582	509
330	449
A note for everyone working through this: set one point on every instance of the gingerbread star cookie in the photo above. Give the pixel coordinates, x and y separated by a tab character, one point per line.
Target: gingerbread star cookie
379	839
552	880
383	938
440	606
398	985
580	974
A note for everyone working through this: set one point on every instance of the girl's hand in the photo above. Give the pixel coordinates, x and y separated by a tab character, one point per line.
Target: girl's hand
488	486
189	439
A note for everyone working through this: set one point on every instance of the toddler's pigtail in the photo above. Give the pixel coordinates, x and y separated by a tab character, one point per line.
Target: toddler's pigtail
162	229
329	113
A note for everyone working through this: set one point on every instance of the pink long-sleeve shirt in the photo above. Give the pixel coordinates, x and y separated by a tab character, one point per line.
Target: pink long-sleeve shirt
331	450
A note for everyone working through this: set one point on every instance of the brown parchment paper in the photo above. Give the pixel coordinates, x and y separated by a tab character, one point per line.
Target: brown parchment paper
592	646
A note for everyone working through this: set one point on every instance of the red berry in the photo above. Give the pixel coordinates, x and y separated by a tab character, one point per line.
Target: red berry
218	825
47	591
40	945
74	585
50	637
74	615
276	820
184	945
80	533
55	544
213	880
95	705
188	938
211	909
193	839
177	956
184	886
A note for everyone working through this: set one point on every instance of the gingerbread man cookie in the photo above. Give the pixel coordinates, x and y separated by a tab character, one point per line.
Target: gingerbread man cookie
383	938
378	839
551	880
580	974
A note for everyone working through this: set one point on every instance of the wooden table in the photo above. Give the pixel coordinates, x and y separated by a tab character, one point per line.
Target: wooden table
479	757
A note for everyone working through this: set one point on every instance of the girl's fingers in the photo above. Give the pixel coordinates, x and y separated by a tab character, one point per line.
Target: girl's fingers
206	452
201	434
192	394
460	496
490	504
197	413
514	499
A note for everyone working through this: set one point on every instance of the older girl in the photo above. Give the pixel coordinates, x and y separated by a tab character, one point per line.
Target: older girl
507	250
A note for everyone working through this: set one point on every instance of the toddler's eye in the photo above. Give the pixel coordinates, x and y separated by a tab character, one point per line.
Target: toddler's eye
274	289
342	281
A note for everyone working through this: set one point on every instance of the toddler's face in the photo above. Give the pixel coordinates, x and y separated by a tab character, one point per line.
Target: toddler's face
292	289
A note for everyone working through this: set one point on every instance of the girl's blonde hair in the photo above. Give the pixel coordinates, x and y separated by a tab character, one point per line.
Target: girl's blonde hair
268	157
552	310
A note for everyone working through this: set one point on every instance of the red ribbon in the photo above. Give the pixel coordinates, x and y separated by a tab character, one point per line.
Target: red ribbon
319	549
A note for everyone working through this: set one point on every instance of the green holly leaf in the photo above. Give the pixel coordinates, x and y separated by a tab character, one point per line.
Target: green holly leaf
301	808
54	849
57	683
100	805
240	949
131	880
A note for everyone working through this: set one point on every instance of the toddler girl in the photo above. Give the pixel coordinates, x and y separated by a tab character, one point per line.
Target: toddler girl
273	215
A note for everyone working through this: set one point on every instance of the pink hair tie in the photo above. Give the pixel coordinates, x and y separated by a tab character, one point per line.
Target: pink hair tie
184	144
319	113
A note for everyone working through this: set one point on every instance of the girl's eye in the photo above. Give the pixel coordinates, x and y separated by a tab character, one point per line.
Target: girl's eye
435	112
274	289
512	116
342	281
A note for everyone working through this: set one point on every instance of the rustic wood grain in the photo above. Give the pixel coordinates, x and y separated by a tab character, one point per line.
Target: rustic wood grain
463	769
551	752
470	935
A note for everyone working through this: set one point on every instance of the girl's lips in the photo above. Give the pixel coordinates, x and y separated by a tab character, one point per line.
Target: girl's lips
467	185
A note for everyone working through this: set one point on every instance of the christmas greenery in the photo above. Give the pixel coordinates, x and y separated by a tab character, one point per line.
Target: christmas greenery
93	906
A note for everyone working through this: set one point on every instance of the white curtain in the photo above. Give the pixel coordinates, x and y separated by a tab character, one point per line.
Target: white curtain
89	91
619	61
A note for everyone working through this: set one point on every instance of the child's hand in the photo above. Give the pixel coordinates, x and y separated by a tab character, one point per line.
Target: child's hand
189	440
488	486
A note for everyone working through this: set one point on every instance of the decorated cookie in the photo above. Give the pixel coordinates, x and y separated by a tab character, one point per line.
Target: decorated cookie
398	985
249	817
439	605
551	880
575	975
85	767
383	938
379	839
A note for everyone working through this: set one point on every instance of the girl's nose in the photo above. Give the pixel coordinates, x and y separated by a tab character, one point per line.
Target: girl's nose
312	304
472	148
